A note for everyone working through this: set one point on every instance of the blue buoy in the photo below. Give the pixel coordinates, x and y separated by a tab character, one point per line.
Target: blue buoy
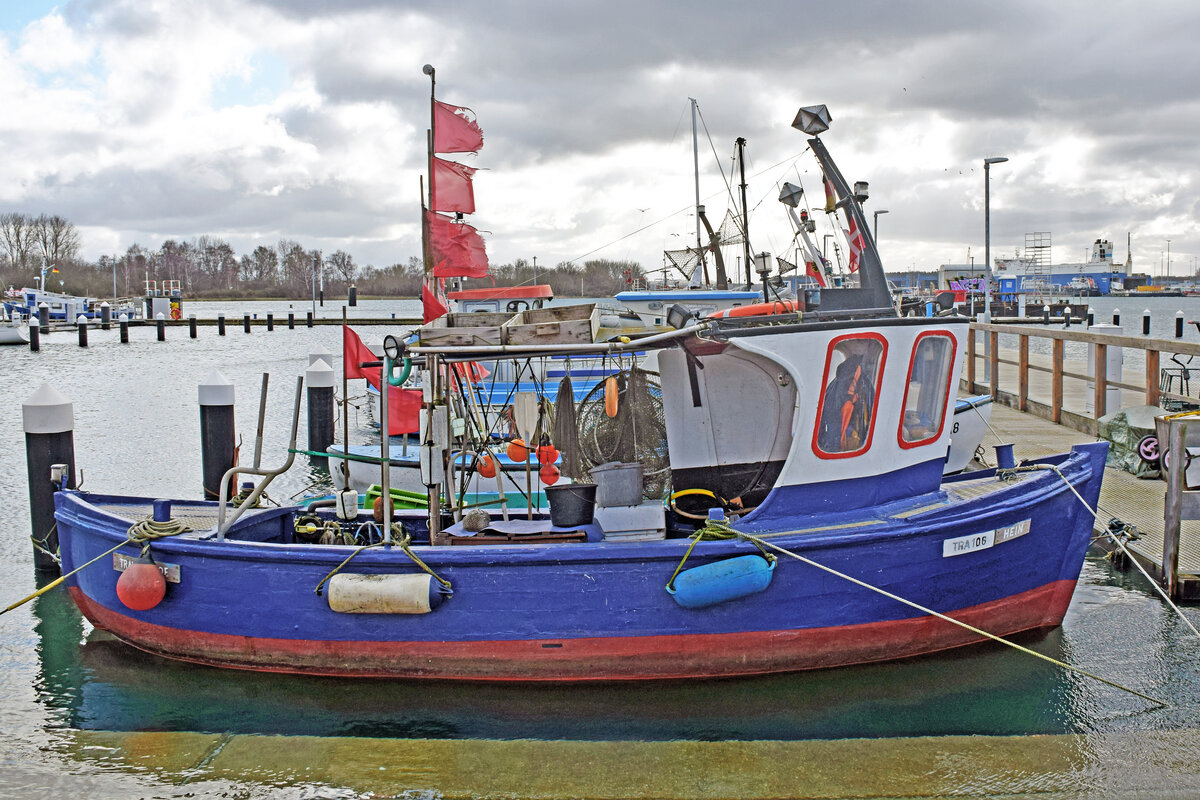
722	581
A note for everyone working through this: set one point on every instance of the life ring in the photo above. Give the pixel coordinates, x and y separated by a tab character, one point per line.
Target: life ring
758	309
175	313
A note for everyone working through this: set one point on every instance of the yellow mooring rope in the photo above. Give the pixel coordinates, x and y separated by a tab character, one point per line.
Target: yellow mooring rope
764	543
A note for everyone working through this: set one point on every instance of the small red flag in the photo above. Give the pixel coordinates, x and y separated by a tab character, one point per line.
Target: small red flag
354	353
403	408
455	248
432	305
813	271
451	188
455	129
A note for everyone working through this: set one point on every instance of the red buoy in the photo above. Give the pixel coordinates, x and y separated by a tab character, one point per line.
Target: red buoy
549	474
141	586
517	451
547	454
486	467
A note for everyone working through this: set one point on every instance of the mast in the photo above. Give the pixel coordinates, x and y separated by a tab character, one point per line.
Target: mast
741	153
696	166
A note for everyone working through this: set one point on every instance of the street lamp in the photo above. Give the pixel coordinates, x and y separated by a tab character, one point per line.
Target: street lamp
875	234
1168	260
987	235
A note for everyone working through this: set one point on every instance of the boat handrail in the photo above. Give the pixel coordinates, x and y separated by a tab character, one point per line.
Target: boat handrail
600	348
251	500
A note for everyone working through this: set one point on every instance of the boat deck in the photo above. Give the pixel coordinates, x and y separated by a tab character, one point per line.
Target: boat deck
1135	501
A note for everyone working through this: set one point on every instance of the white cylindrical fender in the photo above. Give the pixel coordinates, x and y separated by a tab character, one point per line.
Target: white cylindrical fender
351	593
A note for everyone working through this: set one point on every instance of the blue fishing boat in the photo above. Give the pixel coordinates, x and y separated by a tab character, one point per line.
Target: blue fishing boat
802	521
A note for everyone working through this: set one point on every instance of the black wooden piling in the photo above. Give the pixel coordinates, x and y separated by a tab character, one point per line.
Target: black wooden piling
192	325
291	321
1116	316
353	299
319	378
49	440
35	338
270	321
245	323
309	318
1146	322
1046	313
220	324
123	322
1178	324
161	322
105	316
1091	316
81	324
217	444
44	317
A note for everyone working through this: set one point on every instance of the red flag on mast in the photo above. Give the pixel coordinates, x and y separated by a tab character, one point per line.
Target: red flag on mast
455	248
450	187
455	129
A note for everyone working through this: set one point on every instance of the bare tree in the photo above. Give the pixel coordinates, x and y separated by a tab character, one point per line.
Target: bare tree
343	265
56	238
17	237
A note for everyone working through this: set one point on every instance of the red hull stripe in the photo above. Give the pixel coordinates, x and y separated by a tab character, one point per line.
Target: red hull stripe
597	659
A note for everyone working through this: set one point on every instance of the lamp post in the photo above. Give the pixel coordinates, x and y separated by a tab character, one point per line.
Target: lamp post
1168	260
987	234
875	233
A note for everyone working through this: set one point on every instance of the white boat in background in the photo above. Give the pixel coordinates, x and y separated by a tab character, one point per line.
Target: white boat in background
14	329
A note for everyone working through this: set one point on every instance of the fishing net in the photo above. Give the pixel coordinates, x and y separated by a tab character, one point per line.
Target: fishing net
636	434
565	434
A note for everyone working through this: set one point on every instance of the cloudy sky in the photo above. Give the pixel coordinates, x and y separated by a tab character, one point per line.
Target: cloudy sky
142	120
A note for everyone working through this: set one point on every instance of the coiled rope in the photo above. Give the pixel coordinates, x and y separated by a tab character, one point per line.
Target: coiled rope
715	530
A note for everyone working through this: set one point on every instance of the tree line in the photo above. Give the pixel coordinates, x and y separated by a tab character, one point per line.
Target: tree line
208	266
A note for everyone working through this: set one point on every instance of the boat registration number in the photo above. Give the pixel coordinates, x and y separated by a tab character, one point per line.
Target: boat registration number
982	541
121	562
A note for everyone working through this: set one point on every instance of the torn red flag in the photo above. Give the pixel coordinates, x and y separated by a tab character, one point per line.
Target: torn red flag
455	248
354	354
455	129
450	187
432	304
403	408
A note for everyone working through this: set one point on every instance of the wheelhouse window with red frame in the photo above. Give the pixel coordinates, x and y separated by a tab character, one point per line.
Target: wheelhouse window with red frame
846	417
927	390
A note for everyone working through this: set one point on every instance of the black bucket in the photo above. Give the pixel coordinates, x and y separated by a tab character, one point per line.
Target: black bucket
571	504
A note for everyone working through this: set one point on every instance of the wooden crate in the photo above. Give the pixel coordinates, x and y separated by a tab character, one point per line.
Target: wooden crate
555	325
465	328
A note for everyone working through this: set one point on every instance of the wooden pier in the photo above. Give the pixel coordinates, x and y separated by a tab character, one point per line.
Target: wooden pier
1044	403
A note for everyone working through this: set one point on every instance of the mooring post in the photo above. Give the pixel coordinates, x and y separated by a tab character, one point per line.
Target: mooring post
81	324
319	378
35	338
161	321
123	325
1116	316
220	324
270	321
309	313
245	323
1046	313
49	422
105	316
291	320
353	299
1179	324
192	324
217	445
1091	317
44	317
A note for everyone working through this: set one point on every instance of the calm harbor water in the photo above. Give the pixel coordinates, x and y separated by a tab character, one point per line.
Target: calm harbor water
137	431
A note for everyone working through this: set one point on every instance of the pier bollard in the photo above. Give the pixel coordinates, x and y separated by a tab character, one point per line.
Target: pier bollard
1091	319
245	323
161	321
1067	315
353	299
309	313
123	324
44	317
81	324
319	378
319	353
1116	316
49	422
1046	313
1179	324
1146	322
217	444
270	321
220	324
291	321
35	338
192	325
105	316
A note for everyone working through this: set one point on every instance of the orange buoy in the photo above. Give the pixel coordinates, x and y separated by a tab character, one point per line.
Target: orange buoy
547	454
377	508
517	451
610	396
141	586
486	466
758	309
549	474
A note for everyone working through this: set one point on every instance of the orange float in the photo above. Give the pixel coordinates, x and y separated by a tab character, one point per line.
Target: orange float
759	309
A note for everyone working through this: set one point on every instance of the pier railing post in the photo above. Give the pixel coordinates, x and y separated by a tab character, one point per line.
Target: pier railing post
1056	379
1172	503
993	358
1152	377
971	358
1023	372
